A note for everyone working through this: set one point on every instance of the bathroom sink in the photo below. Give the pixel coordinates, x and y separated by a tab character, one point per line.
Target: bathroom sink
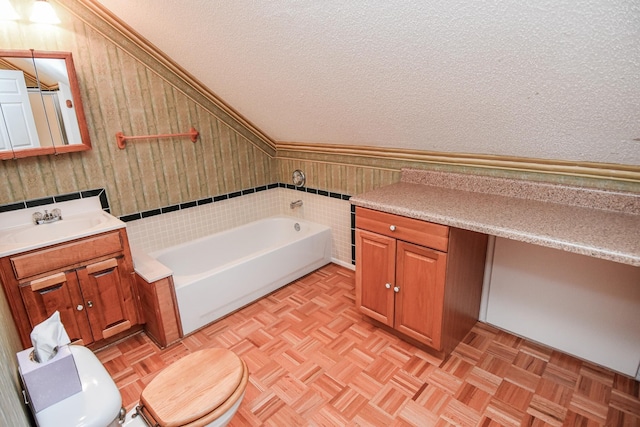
70	227
80	218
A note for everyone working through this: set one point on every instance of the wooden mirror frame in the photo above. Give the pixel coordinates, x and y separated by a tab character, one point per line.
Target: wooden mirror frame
77	101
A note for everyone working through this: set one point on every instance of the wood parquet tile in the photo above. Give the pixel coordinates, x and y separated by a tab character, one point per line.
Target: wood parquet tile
314	361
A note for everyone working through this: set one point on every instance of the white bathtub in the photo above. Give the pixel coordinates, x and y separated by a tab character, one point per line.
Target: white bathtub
220	273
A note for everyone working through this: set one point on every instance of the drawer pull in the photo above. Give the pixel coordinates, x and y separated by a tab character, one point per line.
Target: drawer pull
396	289
116	329
387	285
392	227
79	307
102	266
47	290
48	281
90	304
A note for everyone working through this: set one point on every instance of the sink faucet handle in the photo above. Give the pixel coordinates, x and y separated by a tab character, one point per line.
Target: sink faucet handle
57	213
37	217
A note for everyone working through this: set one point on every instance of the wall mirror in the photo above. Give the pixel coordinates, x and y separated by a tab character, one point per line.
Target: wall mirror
40	106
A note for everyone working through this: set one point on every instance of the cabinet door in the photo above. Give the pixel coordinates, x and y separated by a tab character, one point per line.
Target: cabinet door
59	292
375	275
106	298
420	277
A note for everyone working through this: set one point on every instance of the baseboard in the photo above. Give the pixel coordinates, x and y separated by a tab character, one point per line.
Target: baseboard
343	264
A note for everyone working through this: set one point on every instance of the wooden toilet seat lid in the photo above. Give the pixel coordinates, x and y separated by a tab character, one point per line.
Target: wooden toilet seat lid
193	387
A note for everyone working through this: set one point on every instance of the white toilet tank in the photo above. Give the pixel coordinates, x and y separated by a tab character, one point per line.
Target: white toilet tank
97	405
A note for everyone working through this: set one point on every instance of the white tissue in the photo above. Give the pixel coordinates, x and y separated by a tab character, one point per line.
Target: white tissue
47	336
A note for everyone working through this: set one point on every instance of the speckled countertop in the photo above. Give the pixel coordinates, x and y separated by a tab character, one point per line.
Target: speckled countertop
519	210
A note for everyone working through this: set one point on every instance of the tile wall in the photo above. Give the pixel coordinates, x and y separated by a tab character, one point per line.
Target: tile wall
24	204
158	231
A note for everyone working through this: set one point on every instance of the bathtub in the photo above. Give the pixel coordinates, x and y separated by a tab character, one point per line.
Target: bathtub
222	272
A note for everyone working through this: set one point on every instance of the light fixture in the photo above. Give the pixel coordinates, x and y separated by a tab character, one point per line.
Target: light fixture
43	13
7	11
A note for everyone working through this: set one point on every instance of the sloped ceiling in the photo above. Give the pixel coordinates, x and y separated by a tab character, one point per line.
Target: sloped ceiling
547	79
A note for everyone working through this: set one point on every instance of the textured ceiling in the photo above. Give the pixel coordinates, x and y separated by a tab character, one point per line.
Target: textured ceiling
554	79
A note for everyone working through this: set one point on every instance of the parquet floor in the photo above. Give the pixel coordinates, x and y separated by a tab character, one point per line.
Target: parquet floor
314	361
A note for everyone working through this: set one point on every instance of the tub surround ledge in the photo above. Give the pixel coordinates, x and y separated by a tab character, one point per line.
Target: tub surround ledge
149	268
597	223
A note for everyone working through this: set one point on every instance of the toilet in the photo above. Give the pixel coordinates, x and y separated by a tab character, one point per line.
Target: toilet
204	388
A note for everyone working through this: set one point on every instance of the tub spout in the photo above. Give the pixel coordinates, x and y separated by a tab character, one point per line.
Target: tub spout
296	204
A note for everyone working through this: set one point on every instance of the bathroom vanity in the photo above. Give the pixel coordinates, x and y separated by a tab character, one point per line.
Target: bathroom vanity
82	268
410	242
419	279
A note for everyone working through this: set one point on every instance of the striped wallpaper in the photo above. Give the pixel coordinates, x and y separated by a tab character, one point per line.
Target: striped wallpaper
122	94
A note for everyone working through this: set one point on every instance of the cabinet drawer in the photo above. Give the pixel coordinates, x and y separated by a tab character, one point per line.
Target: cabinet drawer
65	255
411	230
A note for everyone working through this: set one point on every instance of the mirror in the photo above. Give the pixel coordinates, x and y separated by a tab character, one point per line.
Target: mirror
40	106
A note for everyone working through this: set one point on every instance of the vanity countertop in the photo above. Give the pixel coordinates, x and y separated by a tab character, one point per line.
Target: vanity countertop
149	268
80	218
556	216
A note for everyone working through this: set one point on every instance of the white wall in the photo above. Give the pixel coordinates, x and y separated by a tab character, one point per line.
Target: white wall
581	305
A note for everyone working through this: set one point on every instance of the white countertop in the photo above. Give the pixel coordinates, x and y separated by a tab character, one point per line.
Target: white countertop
19	234
149	268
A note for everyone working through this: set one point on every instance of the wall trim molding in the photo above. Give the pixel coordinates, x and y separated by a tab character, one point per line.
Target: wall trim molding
391	158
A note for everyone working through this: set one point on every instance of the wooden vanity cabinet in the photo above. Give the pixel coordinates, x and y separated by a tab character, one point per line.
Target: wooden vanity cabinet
60	291
89	281
108	294
420	280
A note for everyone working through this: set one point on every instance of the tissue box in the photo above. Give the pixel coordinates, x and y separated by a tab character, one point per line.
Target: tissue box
49	382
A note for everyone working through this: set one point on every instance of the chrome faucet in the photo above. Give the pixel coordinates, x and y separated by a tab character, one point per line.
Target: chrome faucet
46	217
296	204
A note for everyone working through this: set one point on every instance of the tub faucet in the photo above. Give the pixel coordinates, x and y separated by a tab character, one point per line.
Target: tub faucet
296	204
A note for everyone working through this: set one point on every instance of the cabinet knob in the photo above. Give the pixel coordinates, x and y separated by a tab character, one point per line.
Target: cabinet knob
89	304
396	289
387	285
79	307
392	227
